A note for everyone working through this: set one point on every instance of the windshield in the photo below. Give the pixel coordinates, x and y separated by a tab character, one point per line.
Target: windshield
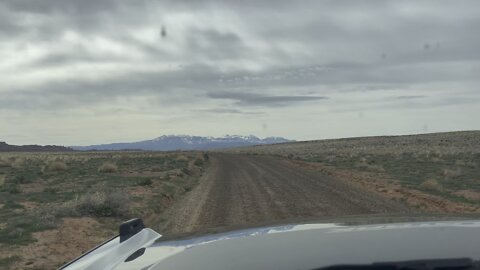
207	116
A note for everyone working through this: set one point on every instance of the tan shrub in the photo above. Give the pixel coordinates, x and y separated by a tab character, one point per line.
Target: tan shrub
182	158
17	162
103	204
4	162
57	165
432	185
460	162
108	167
452	172
363	164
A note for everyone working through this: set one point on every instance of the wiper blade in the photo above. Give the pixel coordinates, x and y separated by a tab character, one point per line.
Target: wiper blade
435	264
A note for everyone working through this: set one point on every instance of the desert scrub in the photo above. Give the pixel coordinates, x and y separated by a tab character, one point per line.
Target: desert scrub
10	204
108	167
12	189
431	185
145	182
182	158
57	165
4	162
450	173
17	162
370	165
7	261
198	162
51	190
103	204
186	171
19	229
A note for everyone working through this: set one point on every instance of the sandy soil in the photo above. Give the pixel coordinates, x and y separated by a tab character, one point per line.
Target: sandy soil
76	235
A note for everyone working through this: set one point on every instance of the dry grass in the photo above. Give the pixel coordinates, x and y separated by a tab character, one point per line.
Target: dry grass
17	162
365	164
4	162
452	172
103	204
432	185
108	167
182	158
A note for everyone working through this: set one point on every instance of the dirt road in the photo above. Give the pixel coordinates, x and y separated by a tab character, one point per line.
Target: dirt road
248	190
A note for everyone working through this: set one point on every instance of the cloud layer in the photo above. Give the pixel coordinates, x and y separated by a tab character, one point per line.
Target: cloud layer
84	71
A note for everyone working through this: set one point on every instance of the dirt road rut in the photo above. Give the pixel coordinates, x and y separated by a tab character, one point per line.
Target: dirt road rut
249	190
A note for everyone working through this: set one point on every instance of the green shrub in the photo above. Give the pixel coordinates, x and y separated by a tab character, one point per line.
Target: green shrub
13	189
19	230
145	182
22	179
7	261
51	190
198	162
12	205
186	171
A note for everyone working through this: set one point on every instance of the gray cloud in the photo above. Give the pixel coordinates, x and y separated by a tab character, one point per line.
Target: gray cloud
215	45
56	59
410	97
230	111
109	57
253	99
78	92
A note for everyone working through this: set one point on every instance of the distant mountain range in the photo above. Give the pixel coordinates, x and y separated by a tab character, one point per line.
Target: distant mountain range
185	142
4	147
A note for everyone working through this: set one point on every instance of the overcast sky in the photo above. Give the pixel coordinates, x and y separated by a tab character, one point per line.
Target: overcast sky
88	71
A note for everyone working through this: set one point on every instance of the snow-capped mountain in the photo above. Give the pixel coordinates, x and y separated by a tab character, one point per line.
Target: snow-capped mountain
186	142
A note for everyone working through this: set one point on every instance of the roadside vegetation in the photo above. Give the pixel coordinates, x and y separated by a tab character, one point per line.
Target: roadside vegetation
44	193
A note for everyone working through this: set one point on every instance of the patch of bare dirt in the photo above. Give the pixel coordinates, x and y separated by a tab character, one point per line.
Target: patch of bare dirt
381	184
32	187
141	191
2	180
60	245
469	194
143	174
29	205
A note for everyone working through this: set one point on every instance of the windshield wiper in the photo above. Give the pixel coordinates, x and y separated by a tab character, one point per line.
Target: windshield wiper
436	264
